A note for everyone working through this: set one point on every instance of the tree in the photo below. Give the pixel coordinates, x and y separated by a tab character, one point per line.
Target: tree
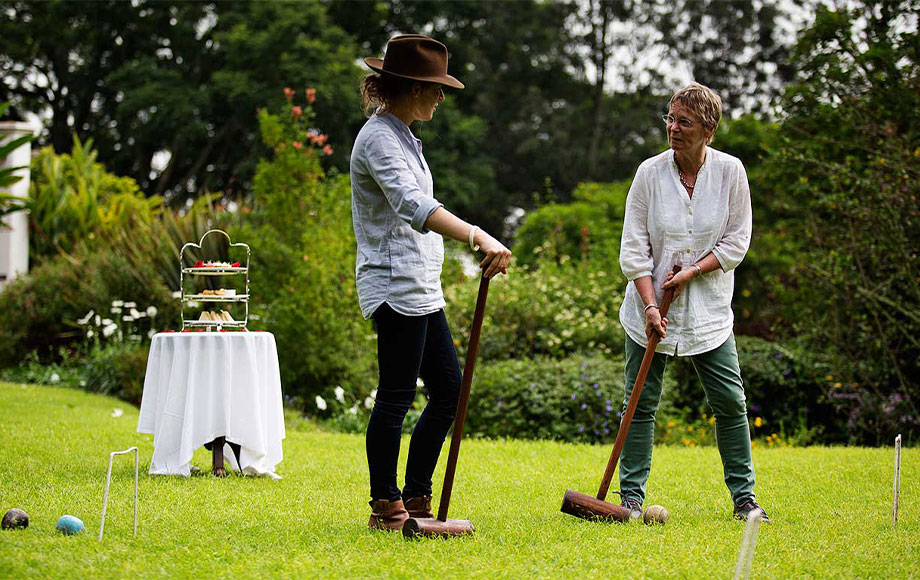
178	81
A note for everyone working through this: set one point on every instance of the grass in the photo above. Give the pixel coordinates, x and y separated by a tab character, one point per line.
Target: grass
830	506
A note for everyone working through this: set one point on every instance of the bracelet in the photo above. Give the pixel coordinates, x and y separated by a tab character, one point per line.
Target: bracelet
473	231
699	271
650	306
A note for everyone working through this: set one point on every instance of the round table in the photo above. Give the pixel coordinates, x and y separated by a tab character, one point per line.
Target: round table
201	387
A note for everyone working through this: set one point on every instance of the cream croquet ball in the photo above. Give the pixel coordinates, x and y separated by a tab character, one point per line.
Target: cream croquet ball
655	514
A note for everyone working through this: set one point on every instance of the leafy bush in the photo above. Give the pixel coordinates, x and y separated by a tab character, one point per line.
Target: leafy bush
785	388
574	399
555	311
71	196
586	230
303	262
39	311
118	370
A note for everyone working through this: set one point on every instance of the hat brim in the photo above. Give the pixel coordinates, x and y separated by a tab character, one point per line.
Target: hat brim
376	64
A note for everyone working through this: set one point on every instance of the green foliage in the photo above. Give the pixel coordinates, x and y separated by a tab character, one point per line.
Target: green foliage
303	262
786	389
573	399
117	370
8	175
555	311
39	311
72	197
844	176
586	230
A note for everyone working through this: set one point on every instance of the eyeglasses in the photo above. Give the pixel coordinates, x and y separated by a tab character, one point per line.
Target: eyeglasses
684	123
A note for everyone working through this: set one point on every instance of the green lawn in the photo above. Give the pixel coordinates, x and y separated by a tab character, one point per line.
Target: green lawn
830	506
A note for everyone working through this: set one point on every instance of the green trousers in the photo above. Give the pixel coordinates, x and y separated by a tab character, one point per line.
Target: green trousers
720	375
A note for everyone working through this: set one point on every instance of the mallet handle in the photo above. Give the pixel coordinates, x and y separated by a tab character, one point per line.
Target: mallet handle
634	397
467	381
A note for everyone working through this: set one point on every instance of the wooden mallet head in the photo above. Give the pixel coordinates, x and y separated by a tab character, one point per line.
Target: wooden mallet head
431	527
588	507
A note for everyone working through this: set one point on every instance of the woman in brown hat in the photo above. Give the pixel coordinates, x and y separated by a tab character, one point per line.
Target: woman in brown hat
399	227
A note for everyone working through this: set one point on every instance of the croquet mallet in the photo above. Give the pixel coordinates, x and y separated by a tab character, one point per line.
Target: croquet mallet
582	505
441	526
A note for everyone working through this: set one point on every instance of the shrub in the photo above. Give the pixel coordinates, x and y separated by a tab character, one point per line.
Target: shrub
556	310
785	388
574	399
118	370
304	261
586	230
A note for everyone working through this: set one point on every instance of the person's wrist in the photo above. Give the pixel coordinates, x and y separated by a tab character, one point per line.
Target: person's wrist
475	232
699	270
649	307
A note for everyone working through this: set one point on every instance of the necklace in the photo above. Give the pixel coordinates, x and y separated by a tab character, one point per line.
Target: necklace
680	175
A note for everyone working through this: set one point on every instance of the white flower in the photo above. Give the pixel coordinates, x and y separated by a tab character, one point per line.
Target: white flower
86	319
106	322
135	314
55	378
108	330
98	320
90	334
374	394
368	402
151	333
130	305
419	382
177	294
340	394
151	311
116	412
353	410
320	403
115	310
127	318
117	303
83	383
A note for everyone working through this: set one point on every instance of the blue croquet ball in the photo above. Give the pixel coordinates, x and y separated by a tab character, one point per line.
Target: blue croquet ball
69	525
15	519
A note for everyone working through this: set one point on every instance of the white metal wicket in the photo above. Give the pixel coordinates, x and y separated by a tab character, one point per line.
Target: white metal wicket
108	481
746	555
896	488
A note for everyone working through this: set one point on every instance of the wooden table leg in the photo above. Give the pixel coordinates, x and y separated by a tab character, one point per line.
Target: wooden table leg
217	454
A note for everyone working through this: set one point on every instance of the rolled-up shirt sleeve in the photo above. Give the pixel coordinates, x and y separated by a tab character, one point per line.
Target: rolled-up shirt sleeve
387	165
635	246
732	247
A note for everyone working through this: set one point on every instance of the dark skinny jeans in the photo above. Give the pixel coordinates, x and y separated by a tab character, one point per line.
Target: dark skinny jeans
409	347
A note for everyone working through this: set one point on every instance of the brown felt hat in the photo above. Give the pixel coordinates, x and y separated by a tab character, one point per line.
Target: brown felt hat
417	57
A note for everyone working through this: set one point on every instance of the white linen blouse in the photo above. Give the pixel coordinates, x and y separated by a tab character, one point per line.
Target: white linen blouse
663	226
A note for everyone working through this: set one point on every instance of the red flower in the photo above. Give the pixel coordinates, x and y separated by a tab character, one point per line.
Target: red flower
321	139
288	93
235	265
296	111
297	145
327	150
311	96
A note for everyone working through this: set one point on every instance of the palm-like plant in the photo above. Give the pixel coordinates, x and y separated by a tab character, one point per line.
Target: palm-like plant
11	203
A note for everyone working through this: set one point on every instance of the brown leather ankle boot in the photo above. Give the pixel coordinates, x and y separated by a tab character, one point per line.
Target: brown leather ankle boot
387	515
419	507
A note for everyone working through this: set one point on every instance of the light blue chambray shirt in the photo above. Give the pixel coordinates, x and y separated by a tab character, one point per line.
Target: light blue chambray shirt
399	261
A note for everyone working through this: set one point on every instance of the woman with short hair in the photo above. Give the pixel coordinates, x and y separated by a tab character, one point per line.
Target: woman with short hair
690	206
398	226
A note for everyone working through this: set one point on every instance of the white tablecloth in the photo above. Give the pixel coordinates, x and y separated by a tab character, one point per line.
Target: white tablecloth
203	385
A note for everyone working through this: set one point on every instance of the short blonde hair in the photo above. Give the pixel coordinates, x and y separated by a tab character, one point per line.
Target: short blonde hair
703	102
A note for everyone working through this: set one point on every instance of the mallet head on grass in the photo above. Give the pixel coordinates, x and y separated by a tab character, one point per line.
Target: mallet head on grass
431	527
582	505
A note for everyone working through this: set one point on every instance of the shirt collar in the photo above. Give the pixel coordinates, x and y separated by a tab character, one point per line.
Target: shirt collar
397	124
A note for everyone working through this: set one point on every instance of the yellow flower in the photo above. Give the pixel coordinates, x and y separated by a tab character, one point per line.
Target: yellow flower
672	423
758	422
838	385
712	420
686	442
753	444
829	377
